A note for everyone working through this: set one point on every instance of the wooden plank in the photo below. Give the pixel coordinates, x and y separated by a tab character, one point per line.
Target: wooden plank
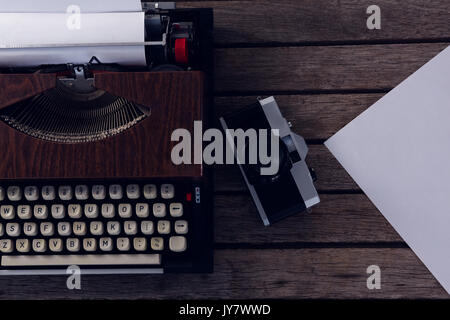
294	21
246	273
338	218
313	116
330	174
319	68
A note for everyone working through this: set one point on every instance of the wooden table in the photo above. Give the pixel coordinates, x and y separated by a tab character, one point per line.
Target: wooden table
324	67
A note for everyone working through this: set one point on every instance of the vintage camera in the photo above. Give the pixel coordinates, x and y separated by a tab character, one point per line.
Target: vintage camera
290	189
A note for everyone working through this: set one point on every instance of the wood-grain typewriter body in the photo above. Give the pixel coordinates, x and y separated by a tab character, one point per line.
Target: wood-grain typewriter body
176	100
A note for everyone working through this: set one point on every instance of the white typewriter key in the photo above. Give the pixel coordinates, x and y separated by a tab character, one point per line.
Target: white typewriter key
140	244
7	212
106	244
48	193
55	245
147	227
150	191
90	244
74	211
98	192
123	244
159	210
125	210
23	245
73	244
64	229
39	245
2	232
176	210
82	192
58	211
31	193
96	228
177	244
2	194
167	191
6	246
14	193
108	210
163	227
91	211
130	227
142	210
24	212
40	211
30	229
13	229
157	244
65	193
133	191
79	228
47	229
113	228
115	191
181	227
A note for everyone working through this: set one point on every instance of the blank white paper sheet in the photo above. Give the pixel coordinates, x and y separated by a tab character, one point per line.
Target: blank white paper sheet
18	29
49	22
398	152
63	6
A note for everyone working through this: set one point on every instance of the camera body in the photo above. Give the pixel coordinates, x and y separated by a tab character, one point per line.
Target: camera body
291	189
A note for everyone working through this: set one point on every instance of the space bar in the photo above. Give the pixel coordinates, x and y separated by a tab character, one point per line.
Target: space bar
80	260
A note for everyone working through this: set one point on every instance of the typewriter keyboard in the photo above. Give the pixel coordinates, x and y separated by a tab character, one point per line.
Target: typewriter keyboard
93	224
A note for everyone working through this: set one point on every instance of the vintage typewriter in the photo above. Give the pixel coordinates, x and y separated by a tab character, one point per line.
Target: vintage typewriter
86	176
